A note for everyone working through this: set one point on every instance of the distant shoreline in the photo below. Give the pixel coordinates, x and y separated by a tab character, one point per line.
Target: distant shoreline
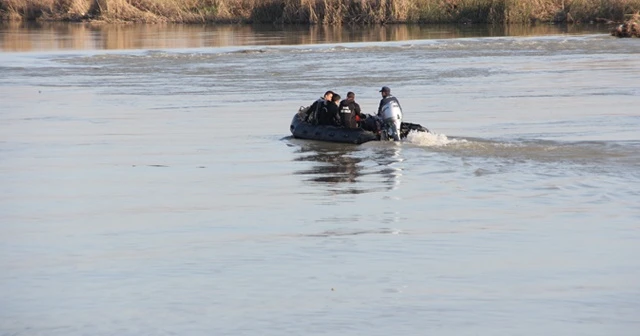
325	12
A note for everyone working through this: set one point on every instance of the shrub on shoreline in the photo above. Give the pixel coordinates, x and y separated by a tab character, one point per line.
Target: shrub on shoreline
630	28
331	12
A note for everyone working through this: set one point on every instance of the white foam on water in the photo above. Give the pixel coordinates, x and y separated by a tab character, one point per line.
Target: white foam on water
431	139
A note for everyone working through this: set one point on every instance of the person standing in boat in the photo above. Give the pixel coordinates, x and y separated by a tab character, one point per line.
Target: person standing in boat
314	109
350	111
386	98
329	114
390	113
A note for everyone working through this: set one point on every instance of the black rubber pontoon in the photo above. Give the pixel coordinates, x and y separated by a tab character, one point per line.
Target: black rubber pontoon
304	130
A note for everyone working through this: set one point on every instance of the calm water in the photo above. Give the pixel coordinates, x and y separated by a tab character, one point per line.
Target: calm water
149	184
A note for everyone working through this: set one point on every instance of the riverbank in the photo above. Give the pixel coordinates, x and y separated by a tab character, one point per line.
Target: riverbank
630	28
333	12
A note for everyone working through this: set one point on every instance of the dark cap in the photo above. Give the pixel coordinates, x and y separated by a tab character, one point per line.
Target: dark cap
385	89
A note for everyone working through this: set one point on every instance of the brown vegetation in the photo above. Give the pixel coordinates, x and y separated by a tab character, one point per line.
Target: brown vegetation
320	11
630	28
133	36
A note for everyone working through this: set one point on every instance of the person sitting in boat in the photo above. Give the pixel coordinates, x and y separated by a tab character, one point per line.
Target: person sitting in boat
329	114
314	109
390	112
350	111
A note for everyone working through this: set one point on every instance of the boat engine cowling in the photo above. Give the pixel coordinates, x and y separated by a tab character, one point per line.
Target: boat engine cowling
391	115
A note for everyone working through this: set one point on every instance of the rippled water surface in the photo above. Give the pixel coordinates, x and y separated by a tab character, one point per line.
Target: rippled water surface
154	188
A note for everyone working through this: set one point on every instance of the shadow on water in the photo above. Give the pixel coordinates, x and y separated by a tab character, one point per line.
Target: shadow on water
43	36
349	169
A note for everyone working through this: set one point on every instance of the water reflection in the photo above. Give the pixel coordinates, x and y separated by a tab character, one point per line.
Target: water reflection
389	159
348	169
333	163
30	36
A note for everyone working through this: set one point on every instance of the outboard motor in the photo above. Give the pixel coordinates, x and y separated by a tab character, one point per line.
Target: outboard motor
391	115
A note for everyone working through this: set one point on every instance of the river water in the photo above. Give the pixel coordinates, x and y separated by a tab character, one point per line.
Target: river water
149	184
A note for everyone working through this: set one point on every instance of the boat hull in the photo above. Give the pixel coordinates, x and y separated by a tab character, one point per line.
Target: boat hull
303	130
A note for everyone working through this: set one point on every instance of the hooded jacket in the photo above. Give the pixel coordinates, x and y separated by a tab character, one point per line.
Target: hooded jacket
328	115
349	109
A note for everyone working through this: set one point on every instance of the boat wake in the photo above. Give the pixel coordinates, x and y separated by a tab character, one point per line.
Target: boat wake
431	139
594	153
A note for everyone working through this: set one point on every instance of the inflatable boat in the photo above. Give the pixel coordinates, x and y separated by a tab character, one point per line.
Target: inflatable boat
303	130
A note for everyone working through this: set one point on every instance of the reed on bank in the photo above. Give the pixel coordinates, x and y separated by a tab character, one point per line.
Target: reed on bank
320	11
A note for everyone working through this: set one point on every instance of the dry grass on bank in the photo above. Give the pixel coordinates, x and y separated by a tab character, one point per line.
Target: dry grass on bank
321	11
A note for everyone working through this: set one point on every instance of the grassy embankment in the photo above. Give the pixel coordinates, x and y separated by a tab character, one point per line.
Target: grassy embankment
320	11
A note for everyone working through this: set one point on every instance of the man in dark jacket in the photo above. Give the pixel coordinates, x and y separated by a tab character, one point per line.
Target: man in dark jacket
329	114
386	98
314	109
350	111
